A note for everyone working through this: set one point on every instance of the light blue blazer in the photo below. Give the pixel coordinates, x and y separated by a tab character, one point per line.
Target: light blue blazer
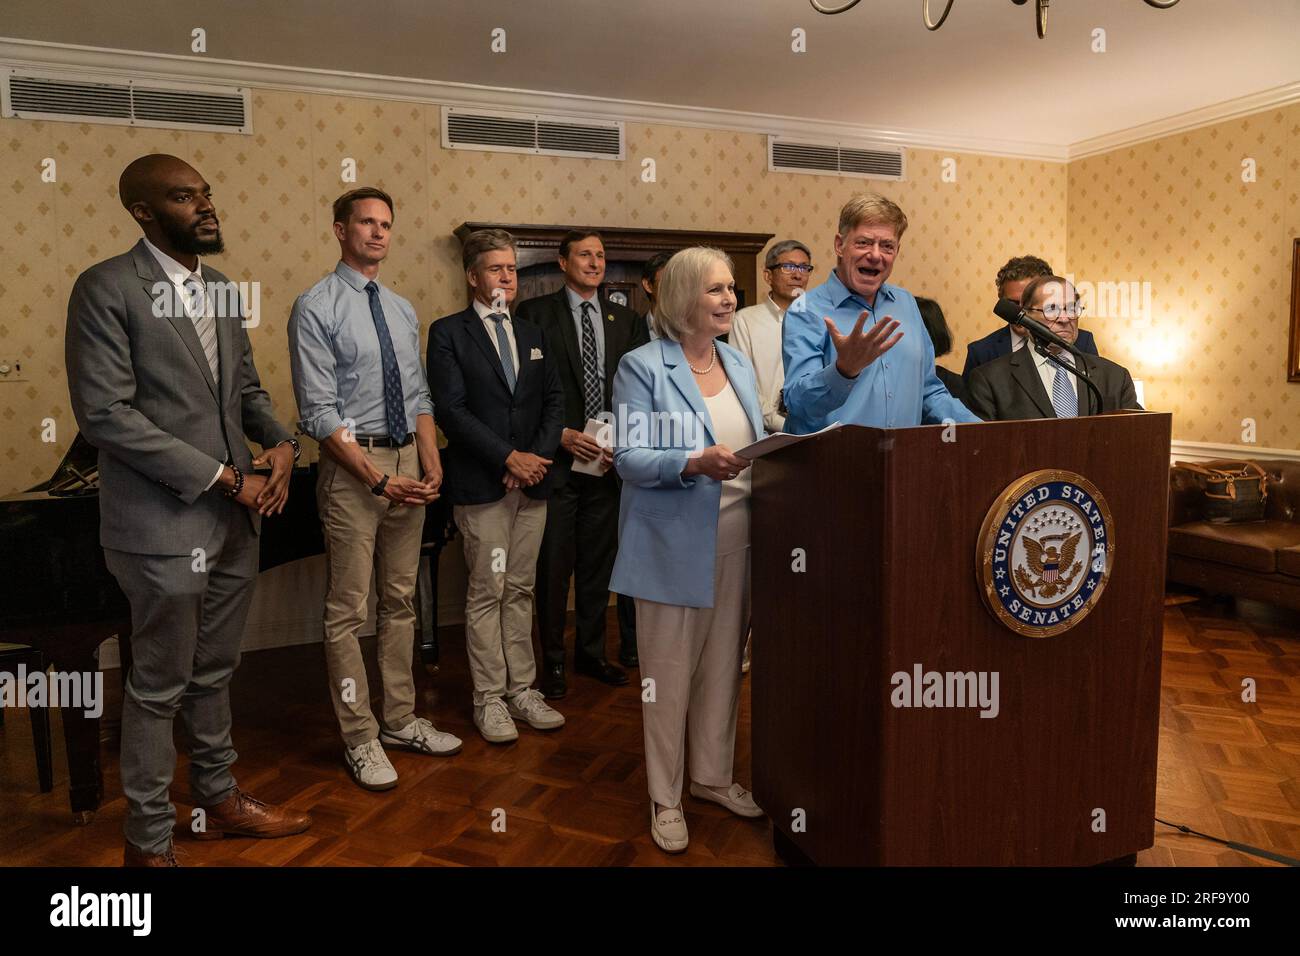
667	524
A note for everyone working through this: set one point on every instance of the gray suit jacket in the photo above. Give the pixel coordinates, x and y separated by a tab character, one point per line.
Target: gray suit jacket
1010	388
143	394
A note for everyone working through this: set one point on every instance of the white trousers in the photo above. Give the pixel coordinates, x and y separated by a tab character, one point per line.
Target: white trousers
693	656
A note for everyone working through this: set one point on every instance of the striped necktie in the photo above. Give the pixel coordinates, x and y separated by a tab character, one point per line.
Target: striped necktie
205	324
590	364
1064	401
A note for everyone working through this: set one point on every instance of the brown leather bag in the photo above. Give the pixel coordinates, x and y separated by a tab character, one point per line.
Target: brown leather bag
1234	490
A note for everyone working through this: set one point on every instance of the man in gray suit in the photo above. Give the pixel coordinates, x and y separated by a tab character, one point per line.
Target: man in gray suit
164	386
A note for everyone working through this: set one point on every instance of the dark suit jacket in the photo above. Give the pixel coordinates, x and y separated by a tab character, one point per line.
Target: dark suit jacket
954	383
143	395
999	343
482	419
624	331
1010	388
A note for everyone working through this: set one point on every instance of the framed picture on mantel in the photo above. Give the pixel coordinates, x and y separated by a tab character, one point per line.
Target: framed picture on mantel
1293	348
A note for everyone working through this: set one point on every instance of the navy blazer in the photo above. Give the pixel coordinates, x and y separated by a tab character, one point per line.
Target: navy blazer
667	524
482	419
998	343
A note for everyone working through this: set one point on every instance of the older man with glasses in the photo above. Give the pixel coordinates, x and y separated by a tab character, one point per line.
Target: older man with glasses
756	331
1027	384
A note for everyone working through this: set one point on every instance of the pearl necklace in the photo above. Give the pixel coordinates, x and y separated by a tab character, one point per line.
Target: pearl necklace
712	360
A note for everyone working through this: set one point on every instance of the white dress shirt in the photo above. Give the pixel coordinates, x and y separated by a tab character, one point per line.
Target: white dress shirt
756	331
485	312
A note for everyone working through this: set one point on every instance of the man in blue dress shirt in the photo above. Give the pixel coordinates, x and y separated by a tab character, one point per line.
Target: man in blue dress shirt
855	348
354	350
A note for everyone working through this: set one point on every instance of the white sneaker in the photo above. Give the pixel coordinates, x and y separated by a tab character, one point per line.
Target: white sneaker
736	799
493	721
744	663
369	766
421	736
668	828
532	709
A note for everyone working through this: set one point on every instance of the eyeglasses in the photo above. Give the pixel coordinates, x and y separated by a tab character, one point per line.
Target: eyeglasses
1054	311
789	268
887	246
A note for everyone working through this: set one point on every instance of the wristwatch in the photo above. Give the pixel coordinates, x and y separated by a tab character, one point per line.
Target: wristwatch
378	489
297	448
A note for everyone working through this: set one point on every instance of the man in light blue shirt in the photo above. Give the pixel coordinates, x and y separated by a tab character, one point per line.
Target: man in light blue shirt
354	349
855	348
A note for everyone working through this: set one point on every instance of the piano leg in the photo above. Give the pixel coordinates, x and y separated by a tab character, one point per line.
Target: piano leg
81	735
426	601
41	735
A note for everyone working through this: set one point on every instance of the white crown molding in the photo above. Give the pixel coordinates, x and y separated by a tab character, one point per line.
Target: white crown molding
1208	451
1183	122
42	55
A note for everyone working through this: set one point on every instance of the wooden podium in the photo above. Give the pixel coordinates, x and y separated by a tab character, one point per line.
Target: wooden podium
867	561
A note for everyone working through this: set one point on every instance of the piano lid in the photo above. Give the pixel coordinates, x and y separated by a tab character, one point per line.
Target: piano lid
77	474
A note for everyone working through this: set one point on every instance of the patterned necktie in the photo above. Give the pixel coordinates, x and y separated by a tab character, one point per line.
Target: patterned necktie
205	325
590	364
394	404
503	346
1064	401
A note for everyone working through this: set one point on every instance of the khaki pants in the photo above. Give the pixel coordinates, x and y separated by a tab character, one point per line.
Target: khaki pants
501	542
693	656
365	535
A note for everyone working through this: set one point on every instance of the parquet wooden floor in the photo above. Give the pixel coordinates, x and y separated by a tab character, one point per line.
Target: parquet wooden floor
577	797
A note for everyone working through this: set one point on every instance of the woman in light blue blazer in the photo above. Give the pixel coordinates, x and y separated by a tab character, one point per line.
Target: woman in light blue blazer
683	404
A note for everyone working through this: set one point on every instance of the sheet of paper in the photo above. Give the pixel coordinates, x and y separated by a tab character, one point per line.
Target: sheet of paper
774	442
603	432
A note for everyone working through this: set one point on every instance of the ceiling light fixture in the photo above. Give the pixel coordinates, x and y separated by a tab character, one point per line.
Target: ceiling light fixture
932	24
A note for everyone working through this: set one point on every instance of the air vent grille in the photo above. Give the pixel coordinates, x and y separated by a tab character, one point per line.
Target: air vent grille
834	160
79	99
526	133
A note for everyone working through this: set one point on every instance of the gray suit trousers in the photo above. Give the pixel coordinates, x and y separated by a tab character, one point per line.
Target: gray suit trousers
187	619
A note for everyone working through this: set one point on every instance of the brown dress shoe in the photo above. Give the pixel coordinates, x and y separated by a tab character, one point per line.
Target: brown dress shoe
133	856
241	815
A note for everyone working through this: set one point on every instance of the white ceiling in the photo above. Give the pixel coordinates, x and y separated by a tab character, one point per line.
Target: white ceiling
984	74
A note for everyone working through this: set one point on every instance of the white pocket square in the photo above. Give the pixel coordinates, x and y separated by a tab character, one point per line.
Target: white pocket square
534	355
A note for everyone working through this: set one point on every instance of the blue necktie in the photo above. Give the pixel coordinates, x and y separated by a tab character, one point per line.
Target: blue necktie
503	346
590	364
1064	400
394	402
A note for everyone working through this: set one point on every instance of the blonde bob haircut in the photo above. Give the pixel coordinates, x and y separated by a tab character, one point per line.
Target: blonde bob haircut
871	209
679	287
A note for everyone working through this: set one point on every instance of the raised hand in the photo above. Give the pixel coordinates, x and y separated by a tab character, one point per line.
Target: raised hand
858	349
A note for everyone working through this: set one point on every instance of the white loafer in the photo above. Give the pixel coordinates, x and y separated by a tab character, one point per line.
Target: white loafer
668	829
737	799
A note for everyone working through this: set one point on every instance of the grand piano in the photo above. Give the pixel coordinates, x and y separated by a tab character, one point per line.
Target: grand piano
56	594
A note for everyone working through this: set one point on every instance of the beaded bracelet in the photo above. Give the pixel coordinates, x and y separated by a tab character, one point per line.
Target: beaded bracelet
239	483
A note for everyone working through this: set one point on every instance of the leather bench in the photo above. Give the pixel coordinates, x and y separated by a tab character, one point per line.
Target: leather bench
1256	559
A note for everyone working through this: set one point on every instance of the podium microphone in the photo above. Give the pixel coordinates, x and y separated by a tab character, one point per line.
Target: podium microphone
1010	311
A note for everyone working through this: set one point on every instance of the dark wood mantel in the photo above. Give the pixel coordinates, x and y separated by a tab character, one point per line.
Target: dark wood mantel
625	252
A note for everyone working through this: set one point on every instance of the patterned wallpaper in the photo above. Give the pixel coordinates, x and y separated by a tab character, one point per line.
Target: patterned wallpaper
273	191
1216	250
